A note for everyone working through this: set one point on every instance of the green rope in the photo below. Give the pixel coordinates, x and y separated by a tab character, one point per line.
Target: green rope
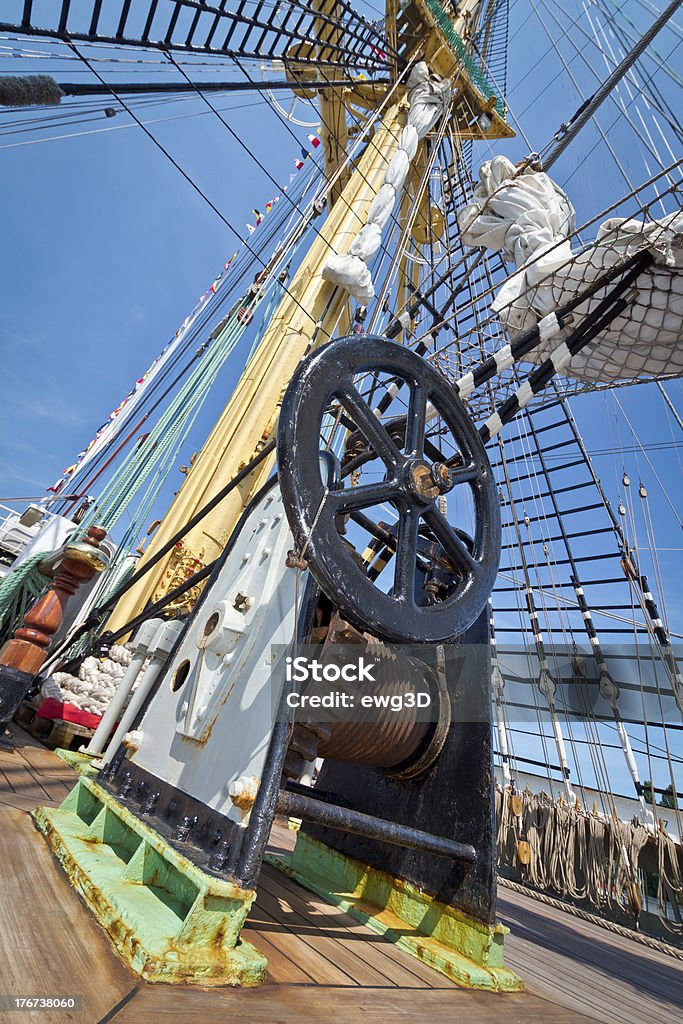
18	590
146	467
458	46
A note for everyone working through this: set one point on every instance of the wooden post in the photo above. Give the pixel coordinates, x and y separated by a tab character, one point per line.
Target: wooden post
22	657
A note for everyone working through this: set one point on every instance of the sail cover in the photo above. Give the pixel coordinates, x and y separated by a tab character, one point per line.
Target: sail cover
528	217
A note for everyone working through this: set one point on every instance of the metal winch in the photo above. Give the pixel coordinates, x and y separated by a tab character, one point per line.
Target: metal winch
216	751
378	539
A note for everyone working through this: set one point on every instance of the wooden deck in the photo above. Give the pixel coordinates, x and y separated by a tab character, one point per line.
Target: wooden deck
323	964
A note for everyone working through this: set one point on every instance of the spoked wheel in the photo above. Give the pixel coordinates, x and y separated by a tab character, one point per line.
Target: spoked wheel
385	512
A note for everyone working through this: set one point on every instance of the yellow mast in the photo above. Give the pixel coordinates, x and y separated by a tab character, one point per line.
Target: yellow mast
313	308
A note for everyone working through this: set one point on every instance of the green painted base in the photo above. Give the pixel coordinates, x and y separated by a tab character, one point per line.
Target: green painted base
168	920
464	949
81	763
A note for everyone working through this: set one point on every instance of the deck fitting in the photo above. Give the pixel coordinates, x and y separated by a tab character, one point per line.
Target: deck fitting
80	762
168	920
467	951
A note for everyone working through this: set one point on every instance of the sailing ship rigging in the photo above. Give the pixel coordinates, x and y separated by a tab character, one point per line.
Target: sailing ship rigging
424	258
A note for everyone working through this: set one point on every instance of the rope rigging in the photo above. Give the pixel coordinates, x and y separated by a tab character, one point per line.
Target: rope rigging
440	285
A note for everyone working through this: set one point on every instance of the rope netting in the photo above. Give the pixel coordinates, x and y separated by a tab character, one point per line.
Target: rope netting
528	217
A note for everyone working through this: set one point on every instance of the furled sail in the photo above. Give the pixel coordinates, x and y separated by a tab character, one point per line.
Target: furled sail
527	216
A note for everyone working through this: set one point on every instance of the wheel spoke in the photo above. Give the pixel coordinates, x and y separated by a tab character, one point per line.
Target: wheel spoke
340	502
406	555
417	416
455	548
370	426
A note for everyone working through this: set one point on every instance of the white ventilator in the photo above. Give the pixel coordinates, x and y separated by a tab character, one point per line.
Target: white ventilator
429	95
528	217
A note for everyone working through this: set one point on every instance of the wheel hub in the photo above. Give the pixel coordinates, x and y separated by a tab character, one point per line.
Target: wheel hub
426	482
421	483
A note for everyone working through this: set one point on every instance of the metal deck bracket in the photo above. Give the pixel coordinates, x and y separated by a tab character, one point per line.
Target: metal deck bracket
168	920
467	951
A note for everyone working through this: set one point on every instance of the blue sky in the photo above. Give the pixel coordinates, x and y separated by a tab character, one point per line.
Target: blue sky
107	248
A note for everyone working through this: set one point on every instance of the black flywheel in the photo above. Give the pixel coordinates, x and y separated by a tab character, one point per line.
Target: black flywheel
404	538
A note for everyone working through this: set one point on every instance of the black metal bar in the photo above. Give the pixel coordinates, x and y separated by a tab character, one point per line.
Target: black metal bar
362	41
593	324
245	863
153	609
150	18
558	536
124	18
162	45
568	561
530	760
172	23
346	820
64	14
193	27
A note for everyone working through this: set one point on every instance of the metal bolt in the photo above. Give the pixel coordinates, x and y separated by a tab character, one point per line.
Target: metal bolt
149	804
219	857
182	832
442	476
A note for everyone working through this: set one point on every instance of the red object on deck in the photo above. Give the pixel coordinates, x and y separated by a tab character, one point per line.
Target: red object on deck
51	708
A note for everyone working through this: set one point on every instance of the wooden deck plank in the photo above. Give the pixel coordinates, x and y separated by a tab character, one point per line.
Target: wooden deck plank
17	802
359	945
24	784
282	969
5	783
49	943
281	1004
20	773
282	840
54	789
336	963
380	954
569	960
38	756
312	962
323	964
33	774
